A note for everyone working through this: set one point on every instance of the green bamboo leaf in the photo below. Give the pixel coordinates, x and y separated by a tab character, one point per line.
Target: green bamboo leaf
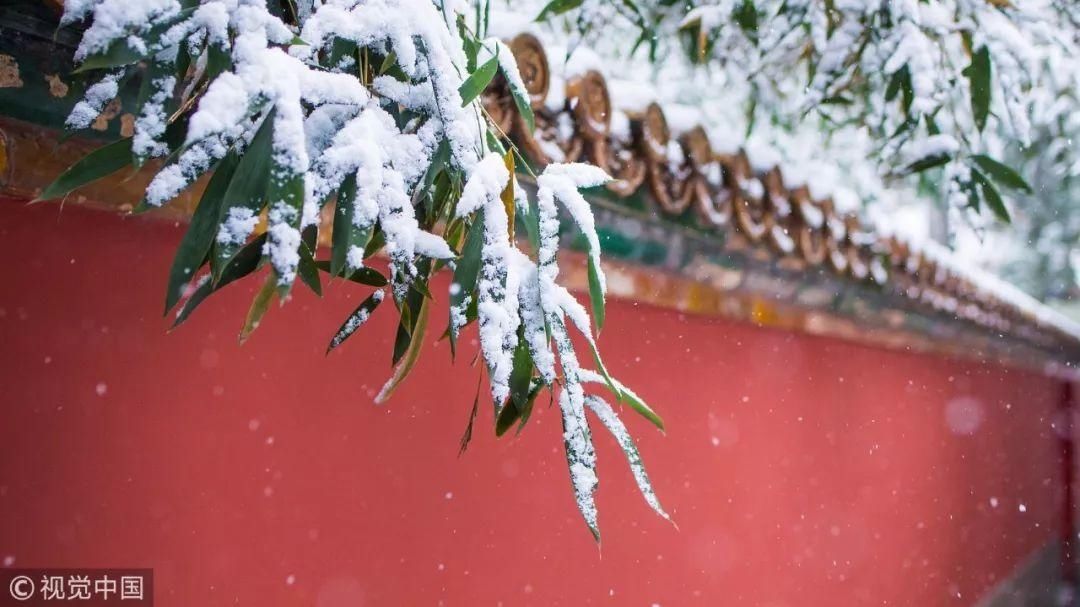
287	197
218	60
308	271
102	162
357	319
411	355
201	292
625	395
521	375
611	421
927	163
1001	173
513	413
364	276
339	49
526	411
557	7
991	196
247	189
377	242
523	104
506	418
478	81
746	16
242	264
465	274
193	249
439	160
893	88
978	74
118	54
346	234
259	305
596	294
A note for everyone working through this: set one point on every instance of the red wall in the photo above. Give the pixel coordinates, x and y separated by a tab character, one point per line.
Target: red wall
801	470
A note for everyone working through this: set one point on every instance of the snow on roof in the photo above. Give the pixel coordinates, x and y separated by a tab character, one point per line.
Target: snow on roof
752	188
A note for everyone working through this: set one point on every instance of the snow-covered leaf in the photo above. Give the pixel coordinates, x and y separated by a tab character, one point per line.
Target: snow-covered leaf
244	197
611	421
192	252
355	320
625	395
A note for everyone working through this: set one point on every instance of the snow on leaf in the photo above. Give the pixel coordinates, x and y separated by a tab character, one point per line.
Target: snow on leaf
611	421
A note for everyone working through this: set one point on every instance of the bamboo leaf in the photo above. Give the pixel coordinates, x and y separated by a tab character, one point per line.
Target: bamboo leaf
285	195
929	162
978	74
746	16
467	435
259	305
596	294
465	274
557	7
201	292
357	319
581	459
409	360
218	60
521	375
346	234
1001	173
102	162
364	276
992	196
247	189
625	395
120	52
611	421
193	249
893	88
526	411
578	317
478	81
524	108
308	271
151	80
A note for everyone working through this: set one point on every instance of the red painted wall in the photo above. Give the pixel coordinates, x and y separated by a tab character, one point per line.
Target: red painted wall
801	470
